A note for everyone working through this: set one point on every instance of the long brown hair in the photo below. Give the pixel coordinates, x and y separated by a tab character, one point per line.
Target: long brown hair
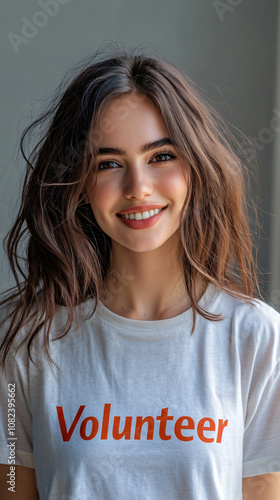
67	254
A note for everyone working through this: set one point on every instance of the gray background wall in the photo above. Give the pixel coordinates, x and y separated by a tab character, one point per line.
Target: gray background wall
230	49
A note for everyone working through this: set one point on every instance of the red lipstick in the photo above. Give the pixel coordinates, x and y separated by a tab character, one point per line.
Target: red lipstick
144	223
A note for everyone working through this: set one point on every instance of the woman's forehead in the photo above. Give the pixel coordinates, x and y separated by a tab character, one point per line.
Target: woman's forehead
126	120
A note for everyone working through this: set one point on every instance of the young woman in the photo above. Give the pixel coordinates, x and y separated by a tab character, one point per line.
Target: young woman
138	362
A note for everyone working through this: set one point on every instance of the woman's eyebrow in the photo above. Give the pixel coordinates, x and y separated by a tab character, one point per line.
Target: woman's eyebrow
146	147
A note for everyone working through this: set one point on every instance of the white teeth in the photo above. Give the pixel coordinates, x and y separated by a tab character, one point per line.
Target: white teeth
142	215
145	215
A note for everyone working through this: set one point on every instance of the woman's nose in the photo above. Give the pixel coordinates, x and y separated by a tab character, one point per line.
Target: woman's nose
137	182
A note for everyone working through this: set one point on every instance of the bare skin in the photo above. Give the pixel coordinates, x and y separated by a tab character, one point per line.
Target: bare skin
155	288
25	489
140	294
263	487
146	281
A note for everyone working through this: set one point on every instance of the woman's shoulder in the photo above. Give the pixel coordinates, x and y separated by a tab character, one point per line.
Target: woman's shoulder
249	317
241	305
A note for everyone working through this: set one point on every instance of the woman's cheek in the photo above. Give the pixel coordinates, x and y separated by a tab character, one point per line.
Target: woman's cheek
175	183
103	196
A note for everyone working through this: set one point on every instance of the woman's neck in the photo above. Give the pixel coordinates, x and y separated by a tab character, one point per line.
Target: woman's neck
147	285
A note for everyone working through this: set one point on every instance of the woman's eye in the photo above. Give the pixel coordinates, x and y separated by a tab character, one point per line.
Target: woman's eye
106	165
160	157
163	157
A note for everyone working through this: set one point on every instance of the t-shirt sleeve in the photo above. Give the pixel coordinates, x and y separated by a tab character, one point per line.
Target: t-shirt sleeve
261	450
16	446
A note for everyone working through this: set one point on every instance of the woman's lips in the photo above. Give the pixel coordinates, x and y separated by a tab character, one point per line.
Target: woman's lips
143	223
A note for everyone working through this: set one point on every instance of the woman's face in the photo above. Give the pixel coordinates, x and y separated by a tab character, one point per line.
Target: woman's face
139	174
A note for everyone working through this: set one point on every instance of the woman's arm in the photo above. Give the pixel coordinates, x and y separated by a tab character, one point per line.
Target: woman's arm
25	489
263	487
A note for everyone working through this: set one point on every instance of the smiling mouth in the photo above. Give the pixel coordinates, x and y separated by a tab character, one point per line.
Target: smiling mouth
147	214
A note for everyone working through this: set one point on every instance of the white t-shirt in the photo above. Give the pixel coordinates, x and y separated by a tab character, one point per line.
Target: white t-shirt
144	410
